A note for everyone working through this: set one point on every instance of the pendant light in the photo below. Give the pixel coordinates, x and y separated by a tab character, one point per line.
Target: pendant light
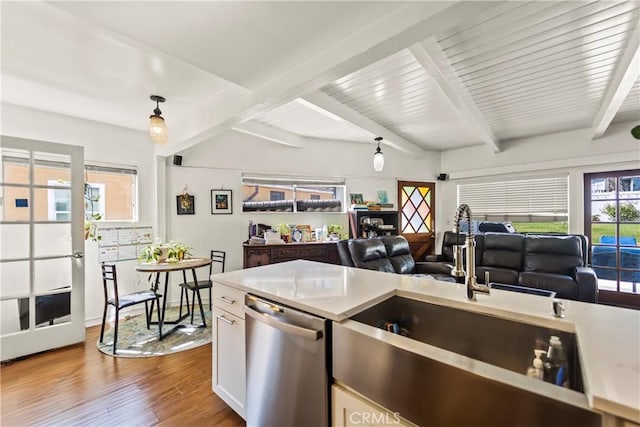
378	157
157	125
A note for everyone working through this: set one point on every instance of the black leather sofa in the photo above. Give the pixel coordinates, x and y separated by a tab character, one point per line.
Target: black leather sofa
389	254
552	262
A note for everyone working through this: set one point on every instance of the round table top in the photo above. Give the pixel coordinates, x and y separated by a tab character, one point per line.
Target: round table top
155	267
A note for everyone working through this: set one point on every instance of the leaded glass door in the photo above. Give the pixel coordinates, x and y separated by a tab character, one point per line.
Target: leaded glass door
417	216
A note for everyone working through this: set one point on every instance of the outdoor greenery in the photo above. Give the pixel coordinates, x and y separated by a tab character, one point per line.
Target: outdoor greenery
90	217
628	212
597	229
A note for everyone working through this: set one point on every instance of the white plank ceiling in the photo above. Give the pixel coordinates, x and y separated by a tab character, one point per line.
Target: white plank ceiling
425	76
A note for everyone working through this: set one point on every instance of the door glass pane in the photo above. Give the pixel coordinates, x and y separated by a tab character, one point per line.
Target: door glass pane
416	209
52	274
51	167
53	309
630	187
14	241
52	239
16	203
603	187
14	278
15	166
14	315
630	210
52	204
602	233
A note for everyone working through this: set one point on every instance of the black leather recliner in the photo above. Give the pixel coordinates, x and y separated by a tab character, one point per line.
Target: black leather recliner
389	254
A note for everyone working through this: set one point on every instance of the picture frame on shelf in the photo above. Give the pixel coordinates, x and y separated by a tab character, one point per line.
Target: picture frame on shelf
221	202
356	198
185	204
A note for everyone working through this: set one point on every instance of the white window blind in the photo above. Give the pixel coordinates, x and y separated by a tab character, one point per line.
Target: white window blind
541	199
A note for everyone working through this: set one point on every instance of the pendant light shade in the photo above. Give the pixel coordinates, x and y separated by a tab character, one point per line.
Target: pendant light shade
157	125
378	157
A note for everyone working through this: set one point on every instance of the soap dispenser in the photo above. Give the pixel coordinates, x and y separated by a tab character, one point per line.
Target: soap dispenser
555	368
537	369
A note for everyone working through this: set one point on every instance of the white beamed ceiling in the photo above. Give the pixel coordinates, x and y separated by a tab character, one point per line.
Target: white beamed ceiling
427	76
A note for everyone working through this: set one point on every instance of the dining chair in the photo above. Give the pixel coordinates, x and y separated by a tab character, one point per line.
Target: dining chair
110	278
216	257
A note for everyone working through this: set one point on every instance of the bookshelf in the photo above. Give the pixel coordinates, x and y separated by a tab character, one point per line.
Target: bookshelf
372	223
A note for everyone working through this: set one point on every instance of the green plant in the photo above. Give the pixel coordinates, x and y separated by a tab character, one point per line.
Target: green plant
177	251
628	212
159	251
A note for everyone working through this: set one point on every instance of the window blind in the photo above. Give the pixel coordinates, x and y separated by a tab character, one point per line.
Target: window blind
541	199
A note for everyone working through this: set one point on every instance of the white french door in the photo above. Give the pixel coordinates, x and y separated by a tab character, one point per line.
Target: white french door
41	246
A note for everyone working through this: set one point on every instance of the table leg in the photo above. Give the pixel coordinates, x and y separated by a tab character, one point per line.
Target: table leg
164	308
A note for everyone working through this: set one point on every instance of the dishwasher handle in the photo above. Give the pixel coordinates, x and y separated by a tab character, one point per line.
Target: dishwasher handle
288	328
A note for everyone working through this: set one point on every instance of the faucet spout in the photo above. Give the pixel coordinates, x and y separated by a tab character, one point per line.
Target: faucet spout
470	245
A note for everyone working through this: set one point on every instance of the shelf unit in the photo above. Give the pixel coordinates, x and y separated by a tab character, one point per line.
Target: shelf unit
359	228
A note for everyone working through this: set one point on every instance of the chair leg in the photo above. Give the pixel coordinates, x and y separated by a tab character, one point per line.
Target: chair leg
104	319
159	320
204	321
193	304
115	331
147	315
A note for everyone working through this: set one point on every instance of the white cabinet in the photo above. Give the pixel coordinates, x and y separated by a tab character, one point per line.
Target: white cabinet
229	348
350	410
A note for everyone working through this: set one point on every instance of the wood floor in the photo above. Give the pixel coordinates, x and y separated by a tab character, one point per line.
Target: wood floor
80	386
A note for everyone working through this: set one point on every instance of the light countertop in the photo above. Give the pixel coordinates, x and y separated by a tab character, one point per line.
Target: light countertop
608	337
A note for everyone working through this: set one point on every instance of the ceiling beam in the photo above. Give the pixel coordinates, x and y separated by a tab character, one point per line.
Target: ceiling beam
270	133
621	83
430	55
405	25
335	107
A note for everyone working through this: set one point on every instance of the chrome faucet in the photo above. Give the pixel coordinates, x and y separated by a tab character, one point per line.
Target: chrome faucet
470	244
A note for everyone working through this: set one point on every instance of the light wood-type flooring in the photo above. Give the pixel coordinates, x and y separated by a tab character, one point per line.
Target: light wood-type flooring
80	386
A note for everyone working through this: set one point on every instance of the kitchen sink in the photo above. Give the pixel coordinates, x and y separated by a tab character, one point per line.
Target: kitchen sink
499	342
442	384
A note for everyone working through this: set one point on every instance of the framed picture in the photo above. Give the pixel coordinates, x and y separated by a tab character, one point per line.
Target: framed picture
185	204
221	202
356	198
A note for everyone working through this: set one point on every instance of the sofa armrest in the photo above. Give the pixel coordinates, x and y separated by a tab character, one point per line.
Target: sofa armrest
433	268
434	258
587	284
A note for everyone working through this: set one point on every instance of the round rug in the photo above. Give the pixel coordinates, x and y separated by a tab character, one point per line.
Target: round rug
135	340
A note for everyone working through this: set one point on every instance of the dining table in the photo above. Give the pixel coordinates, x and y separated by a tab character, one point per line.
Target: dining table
157	268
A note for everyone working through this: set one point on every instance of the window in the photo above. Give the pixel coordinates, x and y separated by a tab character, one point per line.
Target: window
531	205
59	201
276	195
284	194
113	191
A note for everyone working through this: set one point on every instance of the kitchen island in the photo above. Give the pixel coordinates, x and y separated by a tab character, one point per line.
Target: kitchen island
608	339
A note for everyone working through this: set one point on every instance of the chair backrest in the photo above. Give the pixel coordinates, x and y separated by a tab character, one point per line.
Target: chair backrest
343	253
217	256
370	254
399	254
109	275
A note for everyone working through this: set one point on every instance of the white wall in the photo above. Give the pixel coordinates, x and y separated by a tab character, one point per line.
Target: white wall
104	144
571	153
219	163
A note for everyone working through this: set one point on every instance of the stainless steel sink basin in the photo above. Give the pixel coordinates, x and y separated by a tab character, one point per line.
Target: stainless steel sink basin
431	390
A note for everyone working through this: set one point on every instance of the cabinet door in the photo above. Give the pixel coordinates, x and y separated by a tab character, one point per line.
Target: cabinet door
228	359
254	257
351	410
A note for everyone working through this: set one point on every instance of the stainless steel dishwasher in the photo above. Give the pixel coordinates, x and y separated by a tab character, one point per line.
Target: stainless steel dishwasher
288	366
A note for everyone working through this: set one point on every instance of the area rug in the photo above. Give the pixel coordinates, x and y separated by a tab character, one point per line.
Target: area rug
135	340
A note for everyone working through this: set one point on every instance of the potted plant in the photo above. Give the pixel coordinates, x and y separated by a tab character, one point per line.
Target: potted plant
177	251
335	231
161	252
